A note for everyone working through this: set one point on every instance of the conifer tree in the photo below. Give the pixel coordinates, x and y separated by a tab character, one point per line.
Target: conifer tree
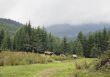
77	48
1	36
44	39
84	43
50	43
64	45
105	39
6	42
95	51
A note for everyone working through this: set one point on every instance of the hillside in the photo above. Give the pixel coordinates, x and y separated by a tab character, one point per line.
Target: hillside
60	30
9	25
72	30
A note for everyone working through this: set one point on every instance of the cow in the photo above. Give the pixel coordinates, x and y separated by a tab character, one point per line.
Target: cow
74	56
59	53
48	53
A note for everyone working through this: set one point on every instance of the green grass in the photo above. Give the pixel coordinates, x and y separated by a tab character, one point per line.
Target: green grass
70	69
29	70
23	70
54	69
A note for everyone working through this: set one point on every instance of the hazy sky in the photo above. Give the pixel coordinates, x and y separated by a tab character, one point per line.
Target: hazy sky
47	12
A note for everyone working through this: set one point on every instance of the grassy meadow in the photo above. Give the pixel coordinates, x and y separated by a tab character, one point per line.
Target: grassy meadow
57	67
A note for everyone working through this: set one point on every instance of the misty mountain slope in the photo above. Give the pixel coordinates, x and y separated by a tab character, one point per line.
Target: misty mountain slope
72	30
9	25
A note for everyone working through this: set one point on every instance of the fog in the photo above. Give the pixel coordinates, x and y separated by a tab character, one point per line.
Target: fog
47	12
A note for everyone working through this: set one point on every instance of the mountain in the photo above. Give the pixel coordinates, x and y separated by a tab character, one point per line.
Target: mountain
60	30
9	25
72	30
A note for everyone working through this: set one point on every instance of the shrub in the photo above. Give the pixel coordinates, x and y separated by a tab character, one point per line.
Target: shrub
105	61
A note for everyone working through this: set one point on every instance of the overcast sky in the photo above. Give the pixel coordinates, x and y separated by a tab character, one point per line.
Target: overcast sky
47	12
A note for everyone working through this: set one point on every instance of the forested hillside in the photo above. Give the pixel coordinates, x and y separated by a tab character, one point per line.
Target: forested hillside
71	31
39	40
9	25
28	39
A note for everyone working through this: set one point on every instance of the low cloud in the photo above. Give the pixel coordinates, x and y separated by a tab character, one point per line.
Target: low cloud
47	12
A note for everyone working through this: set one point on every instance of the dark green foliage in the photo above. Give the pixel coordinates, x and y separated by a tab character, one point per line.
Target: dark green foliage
50	42
6	42
39	40
95	43
78	48
19	40
10	25
22	39
95	51
105	55
30	39
1	36
65	45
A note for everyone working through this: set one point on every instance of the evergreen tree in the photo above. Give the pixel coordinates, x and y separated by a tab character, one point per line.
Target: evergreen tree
1	36
39	39
89	45
105	39
78	49
23	39
6	43
84	43
26	43
28	38
71	48
80	37
64	45
19	39
57	45
44	39
95	51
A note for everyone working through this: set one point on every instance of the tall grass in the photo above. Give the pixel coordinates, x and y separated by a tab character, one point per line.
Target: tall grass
21	58
87	69
59	58
81	66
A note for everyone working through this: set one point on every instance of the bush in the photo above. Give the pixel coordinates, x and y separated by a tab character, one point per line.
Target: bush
105	61
105	55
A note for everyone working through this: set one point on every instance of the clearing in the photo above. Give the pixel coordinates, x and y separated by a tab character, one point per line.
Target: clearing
55	69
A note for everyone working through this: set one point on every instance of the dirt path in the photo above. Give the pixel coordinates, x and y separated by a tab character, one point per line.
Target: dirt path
47	72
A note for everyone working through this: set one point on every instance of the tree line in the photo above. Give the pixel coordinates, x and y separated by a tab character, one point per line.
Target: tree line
28	39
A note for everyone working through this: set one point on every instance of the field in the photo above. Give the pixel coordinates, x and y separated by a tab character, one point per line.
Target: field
54	69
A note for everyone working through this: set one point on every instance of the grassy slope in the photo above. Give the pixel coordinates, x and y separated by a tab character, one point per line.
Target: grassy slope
56	69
